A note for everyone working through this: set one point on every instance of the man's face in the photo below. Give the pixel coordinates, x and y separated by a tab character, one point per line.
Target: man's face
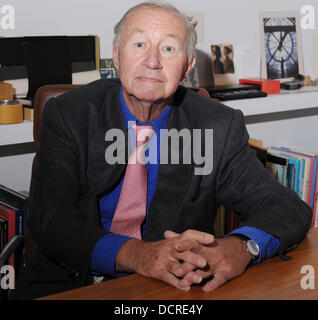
152	57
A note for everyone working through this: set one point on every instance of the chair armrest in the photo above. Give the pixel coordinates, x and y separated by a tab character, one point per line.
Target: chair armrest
15	243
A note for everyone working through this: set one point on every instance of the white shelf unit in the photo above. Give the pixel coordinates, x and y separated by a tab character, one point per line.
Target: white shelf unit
305	98
16	133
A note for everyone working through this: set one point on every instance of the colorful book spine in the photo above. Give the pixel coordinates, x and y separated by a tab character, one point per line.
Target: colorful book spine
3	233
9	214
19	201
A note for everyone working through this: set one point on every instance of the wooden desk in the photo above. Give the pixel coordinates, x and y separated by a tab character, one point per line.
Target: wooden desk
274	279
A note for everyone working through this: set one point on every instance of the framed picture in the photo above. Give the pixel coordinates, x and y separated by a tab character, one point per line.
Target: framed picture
223	64
281	45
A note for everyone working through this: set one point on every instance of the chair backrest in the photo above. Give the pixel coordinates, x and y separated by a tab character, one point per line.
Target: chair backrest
42	95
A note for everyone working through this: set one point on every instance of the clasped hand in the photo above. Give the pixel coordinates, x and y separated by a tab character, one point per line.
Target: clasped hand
182	260
225	259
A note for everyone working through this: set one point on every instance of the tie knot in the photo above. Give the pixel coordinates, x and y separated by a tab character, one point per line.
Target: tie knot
143	134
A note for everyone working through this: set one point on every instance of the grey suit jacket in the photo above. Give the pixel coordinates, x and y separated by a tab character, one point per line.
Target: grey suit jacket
72	175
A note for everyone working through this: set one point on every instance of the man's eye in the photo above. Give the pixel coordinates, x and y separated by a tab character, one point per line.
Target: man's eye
168	49
139	44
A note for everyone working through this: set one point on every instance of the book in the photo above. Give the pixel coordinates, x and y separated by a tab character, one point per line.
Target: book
3	233
308	176
9	213
315	206
293	169
315	211
314	189
313	157
17	200
278	166
301	177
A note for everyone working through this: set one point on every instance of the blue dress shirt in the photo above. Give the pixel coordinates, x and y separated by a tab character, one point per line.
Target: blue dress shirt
106	249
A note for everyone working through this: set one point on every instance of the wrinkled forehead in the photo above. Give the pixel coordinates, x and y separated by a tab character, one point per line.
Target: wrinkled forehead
160	21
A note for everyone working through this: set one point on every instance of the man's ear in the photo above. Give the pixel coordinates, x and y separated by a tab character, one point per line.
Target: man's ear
189	67
115	55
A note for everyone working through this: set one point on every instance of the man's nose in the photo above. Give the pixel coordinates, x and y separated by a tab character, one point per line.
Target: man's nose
152	59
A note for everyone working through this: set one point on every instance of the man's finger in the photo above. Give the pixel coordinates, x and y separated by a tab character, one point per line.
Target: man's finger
201	237
192	258
200	273
172	280
187	244
218	280
180	270
170	234
194	277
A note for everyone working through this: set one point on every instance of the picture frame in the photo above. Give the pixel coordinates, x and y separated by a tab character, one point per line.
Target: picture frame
281	45
223	64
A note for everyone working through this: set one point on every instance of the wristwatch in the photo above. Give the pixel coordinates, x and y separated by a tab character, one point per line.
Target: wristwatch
251	246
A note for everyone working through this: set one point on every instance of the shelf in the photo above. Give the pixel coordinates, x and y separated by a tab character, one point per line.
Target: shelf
16	133
287	100
304	98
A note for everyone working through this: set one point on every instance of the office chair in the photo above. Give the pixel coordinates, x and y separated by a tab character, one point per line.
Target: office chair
22	247
42	95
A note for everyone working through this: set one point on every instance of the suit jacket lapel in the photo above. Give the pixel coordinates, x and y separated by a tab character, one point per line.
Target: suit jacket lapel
103	175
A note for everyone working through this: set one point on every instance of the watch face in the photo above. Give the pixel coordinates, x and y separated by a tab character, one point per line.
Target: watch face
281	47
253	248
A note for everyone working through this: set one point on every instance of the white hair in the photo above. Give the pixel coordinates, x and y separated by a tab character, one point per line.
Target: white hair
192	40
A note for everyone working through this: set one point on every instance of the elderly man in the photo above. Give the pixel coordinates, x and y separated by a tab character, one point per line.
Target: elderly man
95	218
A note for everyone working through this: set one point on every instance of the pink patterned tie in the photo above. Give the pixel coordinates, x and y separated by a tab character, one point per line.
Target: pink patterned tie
131	208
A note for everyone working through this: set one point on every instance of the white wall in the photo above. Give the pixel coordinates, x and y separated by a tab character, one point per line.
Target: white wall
225	21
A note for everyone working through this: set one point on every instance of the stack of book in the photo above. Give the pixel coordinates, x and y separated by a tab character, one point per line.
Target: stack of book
14	213
295	168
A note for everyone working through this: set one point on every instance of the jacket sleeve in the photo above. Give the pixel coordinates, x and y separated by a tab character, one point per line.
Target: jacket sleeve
56	222
245	186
